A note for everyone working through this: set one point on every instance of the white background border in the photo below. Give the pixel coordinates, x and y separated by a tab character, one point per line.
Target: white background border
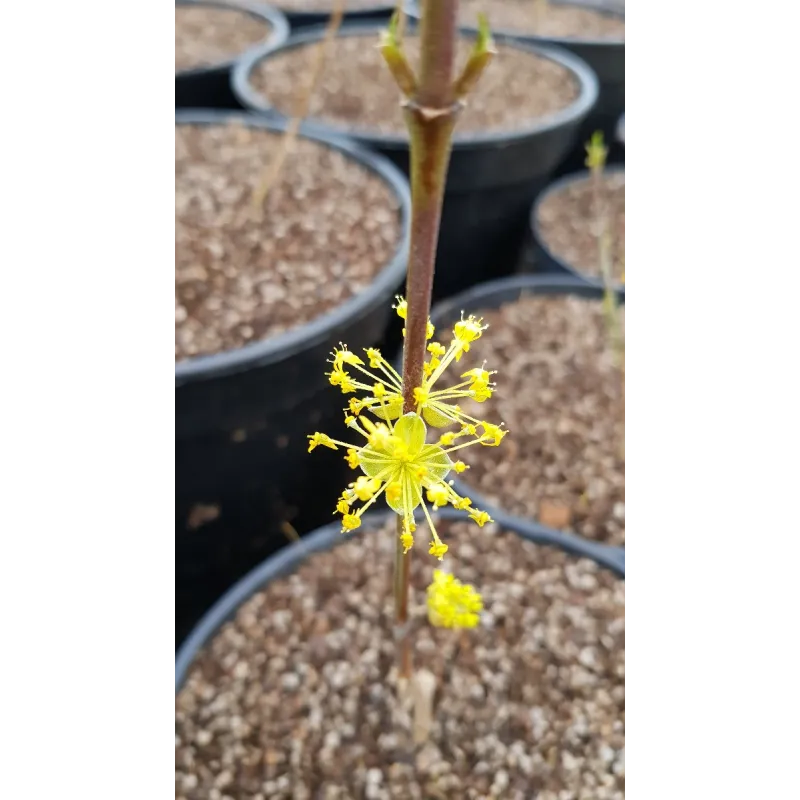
87	560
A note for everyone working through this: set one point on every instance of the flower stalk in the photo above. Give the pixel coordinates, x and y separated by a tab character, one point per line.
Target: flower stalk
431	105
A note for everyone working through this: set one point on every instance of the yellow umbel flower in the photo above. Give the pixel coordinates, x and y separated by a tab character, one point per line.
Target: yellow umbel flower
452	604
438	407
395	458
397	462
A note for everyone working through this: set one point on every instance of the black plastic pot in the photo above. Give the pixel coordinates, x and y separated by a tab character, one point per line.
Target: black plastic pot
492	180
298	20
289	559
493	295
605	58
210	87
545	260
242	417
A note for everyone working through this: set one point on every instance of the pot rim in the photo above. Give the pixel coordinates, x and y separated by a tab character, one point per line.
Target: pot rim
278	34
578	109
560	41
377	8
283	346
291	556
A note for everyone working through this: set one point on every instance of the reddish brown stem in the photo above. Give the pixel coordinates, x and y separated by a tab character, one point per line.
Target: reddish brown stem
430	116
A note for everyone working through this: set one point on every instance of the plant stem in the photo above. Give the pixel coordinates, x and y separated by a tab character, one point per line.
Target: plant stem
432	103
430	117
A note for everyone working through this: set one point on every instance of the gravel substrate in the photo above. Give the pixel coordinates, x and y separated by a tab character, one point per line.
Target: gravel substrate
562	399
329	226
567	219
296	698
560	21
206	36
356	90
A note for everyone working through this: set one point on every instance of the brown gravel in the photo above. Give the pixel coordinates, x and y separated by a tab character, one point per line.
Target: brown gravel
356	90
561	398
205	36
564	22
567	223
292	699
329	227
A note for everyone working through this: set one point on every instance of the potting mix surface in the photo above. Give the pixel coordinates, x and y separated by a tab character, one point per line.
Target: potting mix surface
544	19
561	396
356	90
328	226
297	698
568	223
206	36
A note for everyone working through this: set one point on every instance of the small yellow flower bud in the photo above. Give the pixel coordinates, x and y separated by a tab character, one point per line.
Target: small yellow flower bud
323	439
407	540
352	458
336	377
452	604
468	330
492	434
355	405
344	356
436	349
437	549
379	391
401	308
349	419
365	487
350	522
342	507
446	439
477	376
481	393
374	356
480	517
460	466
420	396
438	495
463	503
429	330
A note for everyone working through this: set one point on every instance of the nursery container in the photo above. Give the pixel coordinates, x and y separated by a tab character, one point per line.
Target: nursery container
544	259
210	86
290	557
292	674
492	178
242	416
607	60
493	295
362	12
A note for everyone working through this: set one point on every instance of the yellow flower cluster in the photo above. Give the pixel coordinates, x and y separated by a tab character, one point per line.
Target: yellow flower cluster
452	604
395	458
